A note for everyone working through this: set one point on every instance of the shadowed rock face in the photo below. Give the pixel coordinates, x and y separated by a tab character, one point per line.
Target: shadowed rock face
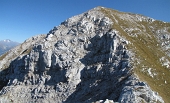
82	60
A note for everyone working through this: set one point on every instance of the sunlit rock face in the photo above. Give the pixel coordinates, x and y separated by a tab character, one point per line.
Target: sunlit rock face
83	60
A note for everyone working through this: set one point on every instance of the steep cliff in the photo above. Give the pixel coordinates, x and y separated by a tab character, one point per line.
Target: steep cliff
100	55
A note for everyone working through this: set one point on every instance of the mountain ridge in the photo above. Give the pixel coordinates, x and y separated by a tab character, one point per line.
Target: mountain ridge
98	55
159	42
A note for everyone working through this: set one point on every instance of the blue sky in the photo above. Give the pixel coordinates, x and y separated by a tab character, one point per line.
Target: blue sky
22	19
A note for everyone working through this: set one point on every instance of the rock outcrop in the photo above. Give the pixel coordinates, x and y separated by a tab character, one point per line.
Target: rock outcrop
83	60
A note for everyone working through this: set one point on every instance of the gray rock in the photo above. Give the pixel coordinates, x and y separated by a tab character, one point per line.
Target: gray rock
82	60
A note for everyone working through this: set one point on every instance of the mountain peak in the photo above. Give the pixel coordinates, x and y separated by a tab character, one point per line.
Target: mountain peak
7	40
6	45
100	55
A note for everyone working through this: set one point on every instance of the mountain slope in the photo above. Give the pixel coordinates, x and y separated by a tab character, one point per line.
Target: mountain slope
150	38
6	45
92	57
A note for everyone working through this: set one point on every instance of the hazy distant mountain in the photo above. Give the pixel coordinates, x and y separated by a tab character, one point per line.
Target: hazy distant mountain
102	55
6	45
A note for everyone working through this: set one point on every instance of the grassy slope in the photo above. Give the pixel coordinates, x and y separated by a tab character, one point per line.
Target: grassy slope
146	51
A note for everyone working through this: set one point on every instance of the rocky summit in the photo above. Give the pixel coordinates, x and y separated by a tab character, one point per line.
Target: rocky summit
100	56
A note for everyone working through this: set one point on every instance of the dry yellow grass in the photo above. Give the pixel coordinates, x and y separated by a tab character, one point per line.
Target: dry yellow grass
146	49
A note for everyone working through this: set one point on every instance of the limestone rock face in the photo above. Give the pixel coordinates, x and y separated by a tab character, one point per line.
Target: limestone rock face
83	60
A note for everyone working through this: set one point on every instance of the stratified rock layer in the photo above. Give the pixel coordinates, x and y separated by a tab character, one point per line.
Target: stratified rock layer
82	60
